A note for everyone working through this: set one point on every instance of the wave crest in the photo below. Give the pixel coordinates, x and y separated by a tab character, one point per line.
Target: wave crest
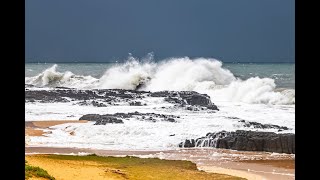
254	90
52	78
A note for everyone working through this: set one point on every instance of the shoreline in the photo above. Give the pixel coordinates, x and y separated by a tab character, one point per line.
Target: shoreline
246	164
119	168
36	128
249	169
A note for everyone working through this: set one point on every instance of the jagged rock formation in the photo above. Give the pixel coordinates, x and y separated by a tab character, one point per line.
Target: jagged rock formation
190	100
246	141
119	117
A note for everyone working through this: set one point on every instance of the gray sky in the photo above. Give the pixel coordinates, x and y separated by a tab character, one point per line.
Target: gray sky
107	30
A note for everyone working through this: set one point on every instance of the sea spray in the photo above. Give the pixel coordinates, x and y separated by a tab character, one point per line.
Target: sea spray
52	78
127	76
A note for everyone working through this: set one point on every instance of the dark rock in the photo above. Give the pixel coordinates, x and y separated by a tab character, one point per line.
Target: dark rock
197	99
97	104
175	101
212	107
189	108
170	120
114	118
262	126
135	103
93	103
188	143
113	96
246	141
101	119
107	120
142	83
184	98
59	95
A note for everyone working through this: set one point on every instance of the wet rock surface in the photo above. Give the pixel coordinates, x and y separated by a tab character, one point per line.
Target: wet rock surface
101	119
135	103
246	141
119	117
63	95
257	125
189	100
185	98
93	103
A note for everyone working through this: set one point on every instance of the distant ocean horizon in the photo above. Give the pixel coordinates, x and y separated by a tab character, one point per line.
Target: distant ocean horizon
115	61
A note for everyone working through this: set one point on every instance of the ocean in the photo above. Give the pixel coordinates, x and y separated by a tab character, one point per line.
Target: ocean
252	92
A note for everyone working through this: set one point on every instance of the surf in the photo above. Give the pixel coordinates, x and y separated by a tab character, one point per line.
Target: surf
204	75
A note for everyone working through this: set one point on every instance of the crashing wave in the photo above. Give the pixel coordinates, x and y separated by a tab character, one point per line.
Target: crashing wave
52	78
204	75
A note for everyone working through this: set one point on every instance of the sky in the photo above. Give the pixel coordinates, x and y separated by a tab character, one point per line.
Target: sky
108	30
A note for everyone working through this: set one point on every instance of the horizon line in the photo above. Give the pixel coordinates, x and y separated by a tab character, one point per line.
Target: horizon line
121	61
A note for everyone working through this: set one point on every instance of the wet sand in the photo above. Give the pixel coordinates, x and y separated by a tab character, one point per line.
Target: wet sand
35	128
46	124
250	165
287	164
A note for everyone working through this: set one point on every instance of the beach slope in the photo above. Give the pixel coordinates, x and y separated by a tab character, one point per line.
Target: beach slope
97	167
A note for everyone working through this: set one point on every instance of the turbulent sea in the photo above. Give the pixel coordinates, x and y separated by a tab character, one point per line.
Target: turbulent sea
263	93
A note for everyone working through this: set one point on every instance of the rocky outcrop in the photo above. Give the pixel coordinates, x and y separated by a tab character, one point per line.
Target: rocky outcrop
246	141
101	119
65	95
135	103
188	143
119	117
257	125
189	100
93	103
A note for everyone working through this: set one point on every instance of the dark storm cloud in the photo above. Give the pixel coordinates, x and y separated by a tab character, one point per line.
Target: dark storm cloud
105	30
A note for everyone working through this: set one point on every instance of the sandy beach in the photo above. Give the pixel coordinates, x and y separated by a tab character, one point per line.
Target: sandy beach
71	170
97	167
249	165
249	169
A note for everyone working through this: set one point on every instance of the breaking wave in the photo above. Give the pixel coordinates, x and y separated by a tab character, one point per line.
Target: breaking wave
52	78
204	75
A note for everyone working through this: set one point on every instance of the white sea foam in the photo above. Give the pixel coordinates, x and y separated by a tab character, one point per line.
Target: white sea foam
135	134
127	76
186	74
253	90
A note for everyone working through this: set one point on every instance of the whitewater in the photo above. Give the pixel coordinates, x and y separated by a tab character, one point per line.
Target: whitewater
244	96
